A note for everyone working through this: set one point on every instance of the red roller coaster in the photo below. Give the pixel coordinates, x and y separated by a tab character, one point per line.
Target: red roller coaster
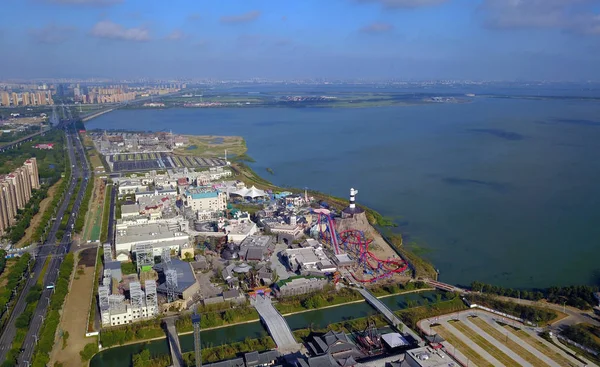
355	242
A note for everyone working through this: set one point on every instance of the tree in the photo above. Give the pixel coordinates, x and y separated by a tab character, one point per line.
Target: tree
88	351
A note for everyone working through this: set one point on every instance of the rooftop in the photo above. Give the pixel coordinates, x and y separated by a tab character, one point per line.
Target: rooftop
185	274
427	357
148	232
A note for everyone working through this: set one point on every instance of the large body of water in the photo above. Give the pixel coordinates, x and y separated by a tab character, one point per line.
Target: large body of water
504	191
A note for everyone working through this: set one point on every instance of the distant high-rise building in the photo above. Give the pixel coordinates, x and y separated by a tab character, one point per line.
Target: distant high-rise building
60	90
26	100
41	98
5	99
8	205
15	99
32	169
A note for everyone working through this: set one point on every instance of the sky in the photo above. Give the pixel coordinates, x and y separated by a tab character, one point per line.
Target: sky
285	39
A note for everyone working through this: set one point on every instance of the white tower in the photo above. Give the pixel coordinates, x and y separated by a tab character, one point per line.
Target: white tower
352	198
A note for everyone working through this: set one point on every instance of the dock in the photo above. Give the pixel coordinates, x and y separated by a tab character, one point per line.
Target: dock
276	324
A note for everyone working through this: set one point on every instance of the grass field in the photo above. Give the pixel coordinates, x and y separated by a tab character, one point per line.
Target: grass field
485	344
509	343
212	146
543	348
462	347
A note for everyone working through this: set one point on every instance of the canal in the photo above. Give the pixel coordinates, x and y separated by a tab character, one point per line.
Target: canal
121	356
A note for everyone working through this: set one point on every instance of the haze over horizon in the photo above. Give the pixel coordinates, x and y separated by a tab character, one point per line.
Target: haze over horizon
411	39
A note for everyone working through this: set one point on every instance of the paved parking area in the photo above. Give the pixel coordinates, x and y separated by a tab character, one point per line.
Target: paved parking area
481	338
277	264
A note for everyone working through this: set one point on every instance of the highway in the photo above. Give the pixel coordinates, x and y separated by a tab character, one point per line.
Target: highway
80	169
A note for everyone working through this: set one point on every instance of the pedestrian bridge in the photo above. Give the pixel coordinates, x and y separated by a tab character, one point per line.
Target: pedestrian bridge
276	324
389	315
174	345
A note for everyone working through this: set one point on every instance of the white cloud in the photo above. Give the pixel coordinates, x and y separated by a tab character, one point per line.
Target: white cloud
51	34
176	35
568	15
377	28
241	18
111	30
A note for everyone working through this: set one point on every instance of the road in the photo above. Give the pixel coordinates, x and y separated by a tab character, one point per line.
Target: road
574	315
80	169
276	324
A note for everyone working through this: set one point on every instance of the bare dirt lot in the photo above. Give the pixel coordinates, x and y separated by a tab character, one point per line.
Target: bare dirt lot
76	307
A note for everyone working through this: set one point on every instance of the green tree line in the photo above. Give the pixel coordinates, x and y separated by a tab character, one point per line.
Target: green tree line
80	221
579	296
13	278
43	348
532	314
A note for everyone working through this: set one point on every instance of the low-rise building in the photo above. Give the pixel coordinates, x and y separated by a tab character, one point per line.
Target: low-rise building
130	210
238	231
159	235
130	187
187	285
256	248
309	260
277	227
299	285
428	357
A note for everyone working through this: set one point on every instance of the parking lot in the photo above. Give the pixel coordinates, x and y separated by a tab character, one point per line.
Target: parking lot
150	161
482	339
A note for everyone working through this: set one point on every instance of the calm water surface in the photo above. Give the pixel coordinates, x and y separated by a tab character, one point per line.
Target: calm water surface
499	190
121	356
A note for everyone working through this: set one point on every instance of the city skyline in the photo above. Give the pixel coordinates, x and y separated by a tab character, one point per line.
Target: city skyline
407	39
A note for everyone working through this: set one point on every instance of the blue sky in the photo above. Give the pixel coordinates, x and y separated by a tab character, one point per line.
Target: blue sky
408	39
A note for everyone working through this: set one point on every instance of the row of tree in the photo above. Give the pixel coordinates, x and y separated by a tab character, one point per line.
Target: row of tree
13	279
23	320
136	331
83	208
525	312
2	261
43	348
580	296
24	216
40	231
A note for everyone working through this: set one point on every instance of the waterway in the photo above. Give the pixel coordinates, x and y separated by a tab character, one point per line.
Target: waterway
500	190
121	356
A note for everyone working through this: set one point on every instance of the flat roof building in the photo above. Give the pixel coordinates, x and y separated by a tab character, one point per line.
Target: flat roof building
428	357
187	285
159	235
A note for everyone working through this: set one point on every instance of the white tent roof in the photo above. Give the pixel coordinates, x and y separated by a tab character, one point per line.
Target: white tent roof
252	192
